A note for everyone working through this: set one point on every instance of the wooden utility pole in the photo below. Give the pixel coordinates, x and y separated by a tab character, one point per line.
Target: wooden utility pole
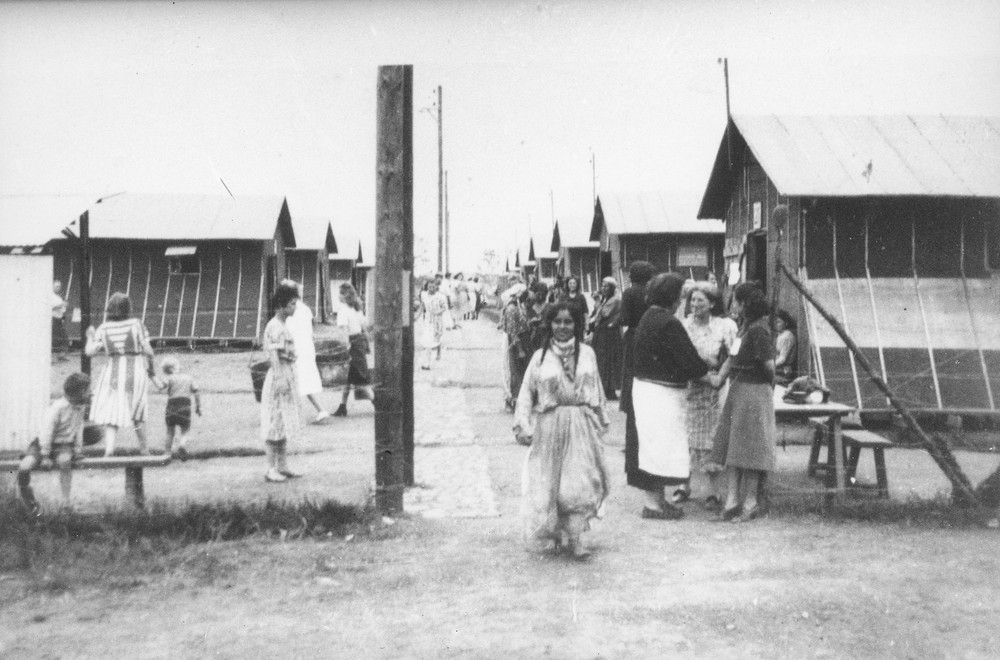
83	262
441	184
393	327
447	234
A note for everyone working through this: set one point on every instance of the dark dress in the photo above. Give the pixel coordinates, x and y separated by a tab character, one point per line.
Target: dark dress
746	434
579	301
607	344
633	307
663	353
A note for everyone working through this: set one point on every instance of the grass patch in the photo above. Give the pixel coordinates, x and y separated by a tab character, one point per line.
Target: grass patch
29	540
938	512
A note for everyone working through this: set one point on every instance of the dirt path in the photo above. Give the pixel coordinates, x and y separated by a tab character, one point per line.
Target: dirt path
786	586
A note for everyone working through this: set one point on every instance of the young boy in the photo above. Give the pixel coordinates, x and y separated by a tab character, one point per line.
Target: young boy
61	441
180	390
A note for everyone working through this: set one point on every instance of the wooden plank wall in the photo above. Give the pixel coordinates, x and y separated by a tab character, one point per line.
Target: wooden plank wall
223	301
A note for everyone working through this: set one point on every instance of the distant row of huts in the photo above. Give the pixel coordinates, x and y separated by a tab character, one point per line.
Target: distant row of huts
893	223
198	268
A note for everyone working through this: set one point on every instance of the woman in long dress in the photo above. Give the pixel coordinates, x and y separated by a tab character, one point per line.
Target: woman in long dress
463	297
560	413
665	361
744	441
279	401
349	316
122	393
300	324
713	337
434	307
518	345
607	341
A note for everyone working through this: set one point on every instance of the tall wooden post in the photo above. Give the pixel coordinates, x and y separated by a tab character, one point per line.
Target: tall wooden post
83	262
440	118
393	286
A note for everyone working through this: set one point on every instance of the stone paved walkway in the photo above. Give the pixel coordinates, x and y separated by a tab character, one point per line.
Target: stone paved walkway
451	470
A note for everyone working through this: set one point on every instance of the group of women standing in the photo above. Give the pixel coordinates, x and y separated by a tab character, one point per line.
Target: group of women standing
676	418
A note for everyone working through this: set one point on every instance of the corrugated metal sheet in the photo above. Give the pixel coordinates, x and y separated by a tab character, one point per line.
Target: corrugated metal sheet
185	217
31	220
901	324
656	213
573	232
841	156
25	348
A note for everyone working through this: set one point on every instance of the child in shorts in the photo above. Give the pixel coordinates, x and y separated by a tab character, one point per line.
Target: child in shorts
181	389
61	440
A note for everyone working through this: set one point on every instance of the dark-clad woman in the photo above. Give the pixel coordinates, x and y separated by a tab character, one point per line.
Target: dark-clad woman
607	341
665	360
560	413
122	393
518	347
633	307
576	297
534	311
744	441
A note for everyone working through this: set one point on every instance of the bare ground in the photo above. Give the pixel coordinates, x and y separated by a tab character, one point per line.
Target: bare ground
792	585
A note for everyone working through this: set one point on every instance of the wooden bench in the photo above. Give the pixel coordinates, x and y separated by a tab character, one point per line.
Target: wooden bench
854	439
133	466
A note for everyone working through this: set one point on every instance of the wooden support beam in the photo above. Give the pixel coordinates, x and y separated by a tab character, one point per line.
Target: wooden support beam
962	490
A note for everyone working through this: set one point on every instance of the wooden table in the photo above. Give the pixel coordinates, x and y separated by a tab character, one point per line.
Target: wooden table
833	412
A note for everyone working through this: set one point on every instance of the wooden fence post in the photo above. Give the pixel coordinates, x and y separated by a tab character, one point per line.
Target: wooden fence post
393	284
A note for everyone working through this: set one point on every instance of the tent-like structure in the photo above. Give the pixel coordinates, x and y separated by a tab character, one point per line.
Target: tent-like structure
894	224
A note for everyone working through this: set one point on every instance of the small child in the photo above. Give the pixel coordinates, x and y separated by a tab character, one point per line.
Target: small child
180	390
61	442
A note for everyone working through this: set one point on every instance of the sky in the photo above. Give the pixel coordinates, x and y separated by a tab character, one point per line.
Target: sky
544	103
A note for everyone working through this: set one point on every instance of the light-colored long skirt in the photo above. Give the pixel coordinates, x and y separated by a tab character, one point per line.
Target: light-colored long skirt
564	474
661	423
279	412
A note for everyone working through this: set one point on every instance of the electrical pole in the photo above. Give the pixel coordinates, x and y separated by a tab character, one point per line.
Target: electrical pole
447	227
729	143
393	328
440	118
84	265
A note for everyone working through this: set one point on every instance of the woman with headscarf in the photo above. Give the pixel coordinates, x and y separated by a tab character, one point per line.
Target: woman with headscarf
744	441
560	413
607	340
122	393
665	361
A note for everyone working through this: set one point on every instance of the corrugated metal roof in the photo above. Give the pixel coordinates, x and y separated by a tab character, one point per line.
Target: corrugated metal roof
656	213
877	155
186	217
574	232
31	220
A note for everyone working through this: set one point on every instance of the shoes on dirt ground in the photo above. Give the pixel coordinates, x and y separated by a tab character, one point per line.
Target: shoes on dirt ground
341	411
320	416
668	512
274	476
289	474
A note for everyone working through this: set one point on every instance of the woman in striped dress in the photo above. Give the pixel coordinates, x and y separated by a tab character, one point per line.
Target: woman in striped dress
121	395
